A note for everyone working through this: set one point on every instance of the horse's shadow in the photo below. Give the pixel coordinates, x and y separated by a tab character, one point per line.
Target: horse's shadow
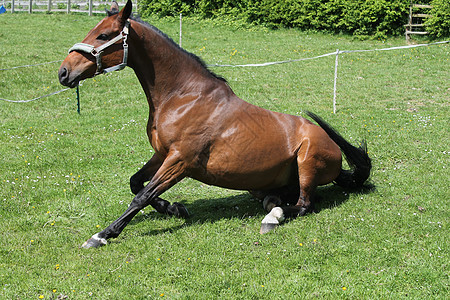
244	205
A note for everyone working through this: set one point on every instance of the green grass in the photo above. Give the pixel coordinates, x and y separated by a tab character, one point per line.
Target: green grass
65	176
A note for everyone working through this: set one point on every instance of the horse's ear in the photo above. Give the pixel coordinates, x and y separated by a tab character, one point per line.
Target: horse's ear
114	9
125	13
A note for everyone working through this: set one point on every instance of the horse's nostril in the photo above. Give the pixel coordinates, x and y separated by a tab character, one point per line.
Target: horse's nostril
63	75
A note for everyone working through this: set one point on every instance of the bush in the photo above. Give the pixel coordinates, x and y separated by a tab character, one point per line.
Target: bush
376	18
439	24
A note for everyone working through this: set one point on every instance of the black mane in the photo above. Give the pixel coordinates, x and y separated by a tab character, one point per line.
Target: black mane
165	36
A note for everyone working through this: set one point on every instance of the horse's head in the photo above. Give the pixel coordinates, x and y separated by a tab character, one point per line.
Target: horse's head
104	49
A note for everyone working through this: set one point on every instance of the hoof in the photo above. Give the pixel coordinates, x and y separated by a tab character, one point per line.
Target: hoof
267	227
303	211
94	242
177	210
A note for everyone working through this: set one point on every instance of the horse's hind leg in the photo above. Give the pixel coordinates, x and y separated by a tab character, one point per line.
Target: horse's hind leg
277	214
277	197
315	166
269	199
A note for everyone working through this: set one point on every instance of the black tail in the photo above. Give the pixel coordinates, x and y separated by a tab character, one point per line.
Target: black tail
357	158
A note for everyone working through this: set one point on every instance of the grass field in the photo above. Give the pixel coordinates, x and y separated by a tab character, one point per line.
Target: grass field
65	176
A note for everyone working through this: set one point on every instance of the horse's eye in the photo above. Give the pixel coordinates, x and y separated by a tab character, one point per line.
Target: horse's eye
103	37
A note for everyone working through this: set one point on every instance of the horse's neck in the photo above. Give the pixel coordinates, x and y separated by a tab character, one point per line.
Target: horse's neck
159	65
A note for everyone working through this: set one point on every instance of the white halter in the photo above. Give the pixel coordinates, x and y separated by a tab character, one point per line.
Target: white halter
98	52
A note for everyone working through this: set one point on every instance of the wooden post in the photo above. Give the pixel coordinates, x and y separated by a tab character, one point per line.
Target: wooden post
409	28
68	6
90	7
12	6
30	7
181	27
49	6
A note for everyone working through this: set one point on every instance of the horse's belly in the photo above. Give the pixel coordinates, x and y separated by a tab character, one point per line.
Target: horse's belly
247	170
247	180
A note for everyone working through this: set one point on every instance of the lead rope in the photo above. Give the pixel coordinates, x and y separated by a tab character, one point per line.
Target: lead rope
78	100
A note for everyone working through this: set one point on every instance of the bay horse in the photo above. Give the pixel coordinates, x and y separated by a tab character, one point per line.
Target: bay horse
199	128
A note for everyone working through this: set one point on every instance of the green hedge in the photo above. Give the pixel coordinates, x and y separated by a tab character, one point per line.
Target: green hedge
439	24
376	18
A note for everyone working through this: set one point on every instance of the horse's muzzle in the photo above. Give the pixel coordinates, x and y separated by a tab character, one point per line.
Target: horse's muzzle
66	78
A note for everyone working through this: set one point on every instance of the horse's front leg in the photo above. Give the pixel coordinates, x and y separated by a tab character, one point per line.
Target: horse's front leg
145	174
171	171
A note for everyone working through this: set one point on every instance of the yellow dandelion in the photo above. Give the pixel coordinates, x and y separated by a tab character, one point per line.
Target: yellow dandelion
41	296
161	295
344	288
300	244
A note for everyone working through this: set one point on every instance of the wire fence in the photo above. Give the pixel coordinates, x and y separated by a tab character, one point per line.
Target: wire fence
336	54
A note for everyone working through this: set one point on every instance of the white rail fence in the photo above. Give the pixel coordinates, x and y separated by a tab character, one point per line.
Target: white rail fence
84	6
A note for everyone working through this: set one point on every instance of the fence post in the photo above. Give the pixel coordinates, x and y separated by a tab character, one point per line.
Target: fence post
30	7
90	7
335	80
12	6
68	6
49	6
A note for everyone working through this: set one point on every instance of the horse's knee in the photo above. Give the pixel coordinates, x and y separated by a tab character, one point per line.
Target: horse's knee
136	185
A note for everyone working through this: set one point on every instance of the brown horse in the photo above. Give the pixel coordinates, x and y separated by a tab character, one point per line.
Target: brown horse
200	129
